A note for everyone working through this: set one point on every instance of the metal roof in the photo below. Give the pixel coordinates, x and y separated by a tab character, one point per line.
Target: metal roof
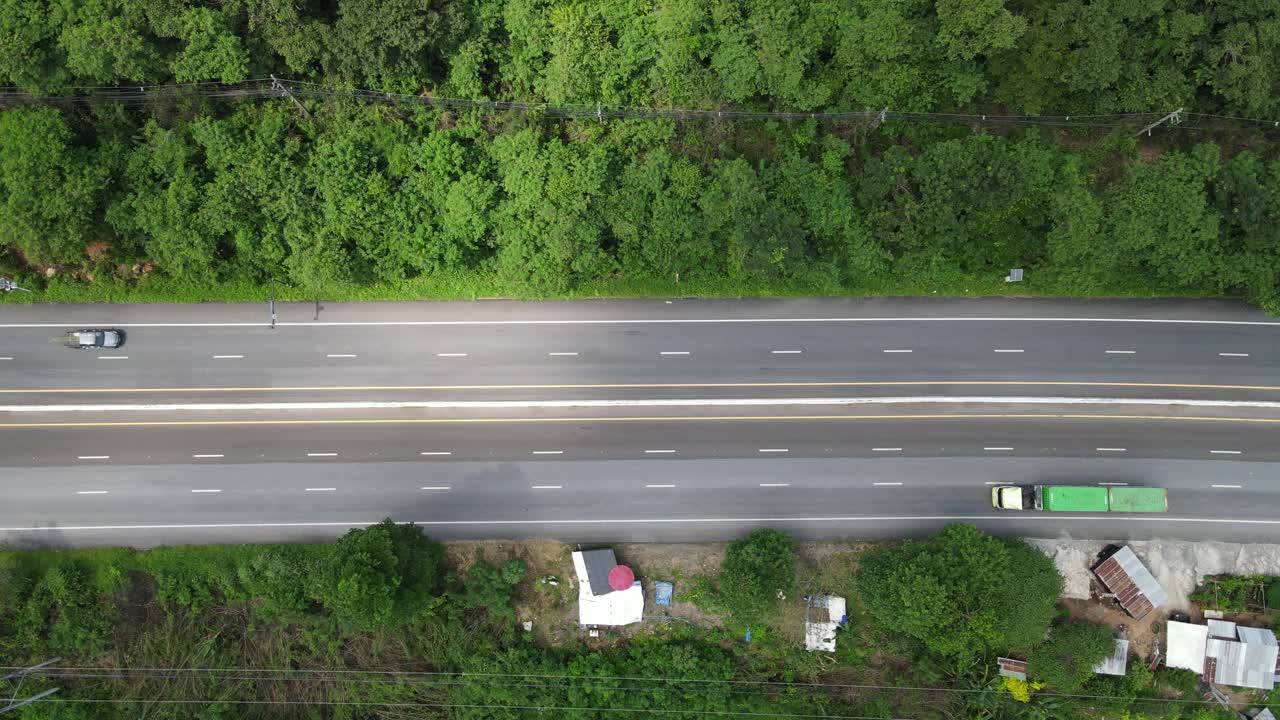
1243	664
1185	647
1117	662
1012	668
1222	629
1134	586
598	563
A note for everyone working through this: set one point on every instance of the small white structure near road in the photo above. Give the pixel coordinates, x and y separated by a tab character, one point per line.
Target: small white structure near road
1117	663
823	616
598	602
1224	653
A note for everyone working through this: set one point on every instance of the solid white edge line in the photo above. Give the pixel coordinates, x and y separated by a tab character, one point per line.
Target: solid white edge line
546	487
896	351
655	321
451	354
208	455
1116	484
1007	351
1233	487
659	452
1225	452
1111	449
659	486
673	352
436	487
340	356
563	354
783	520
1122	352
441	452
775	484
1233	354
91	492
997	448
324	454
113	357
548	452
787	352
886	449
658	402
93	457
206	490
773	450
228	357
6	358
886	484
319	489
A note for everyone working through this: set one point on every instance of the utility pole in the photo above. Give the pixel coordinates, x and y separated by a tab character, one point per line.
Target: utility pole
284	92
13	703
1173	118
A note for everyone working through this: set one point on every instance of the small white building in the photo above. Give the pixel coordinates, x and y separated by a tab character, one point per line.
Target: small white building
1224	653
598	602
823	617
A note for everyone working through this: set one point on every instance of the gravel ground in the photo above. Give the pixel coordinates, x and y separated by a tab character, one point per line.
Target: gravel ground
1178	566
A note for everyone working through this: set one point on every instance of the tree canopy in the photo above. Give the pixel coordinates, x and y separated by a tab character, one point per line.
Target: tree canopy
961	593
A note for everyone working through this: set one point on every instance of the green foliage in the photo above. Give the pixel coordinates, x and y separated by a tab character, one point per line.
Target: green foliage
381	576
1066	660
757	571
48	187
488	588
961	593
1233	593
64	614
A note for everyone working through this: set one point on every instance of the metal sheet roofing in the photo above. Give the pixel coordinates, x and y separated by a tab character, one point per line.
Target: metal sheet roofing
1186	643
597	564
1134	586
1013	668
1117	662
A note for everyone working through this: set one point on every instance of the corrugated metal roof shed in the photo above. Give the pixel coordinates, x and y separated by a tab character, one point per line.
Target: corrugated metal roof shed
1243	664
1222	629
1009	667
1264	714
1134	586
1117	662
1185	647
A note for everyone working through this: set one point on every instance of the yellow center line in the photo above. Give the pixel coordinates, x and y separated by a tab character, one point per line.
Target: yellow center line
641	386
683	418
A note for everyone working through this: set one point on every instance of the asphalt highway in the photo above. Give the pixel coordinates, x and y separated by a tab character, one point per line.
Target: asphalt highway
617	421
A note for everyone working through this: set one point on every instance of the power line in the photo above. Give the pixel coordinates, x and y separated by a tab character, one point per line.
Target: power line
273	87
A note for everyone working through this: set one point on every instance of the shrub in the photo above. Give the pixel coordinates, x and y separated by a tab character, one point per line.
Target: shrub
1066	660
755	572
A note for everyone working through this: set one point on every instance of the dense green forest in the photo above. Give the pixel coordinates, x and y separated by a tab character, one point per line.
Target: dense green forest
190	198
385	623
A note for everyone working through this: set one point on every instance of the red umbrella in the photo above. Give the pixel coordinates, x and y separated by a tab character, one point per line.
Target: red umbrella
621	577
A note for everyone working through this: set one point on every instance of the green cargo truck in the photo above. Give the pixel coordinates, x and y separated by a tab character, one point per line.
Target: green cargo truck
1080	498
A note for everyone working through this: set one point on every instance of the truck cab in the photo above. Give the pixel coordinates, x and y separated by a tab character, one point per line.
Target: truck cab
1013	497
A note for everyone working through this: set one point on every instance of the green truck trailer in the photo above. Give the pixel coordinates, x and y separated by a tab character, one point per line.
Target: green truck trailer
1080	498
